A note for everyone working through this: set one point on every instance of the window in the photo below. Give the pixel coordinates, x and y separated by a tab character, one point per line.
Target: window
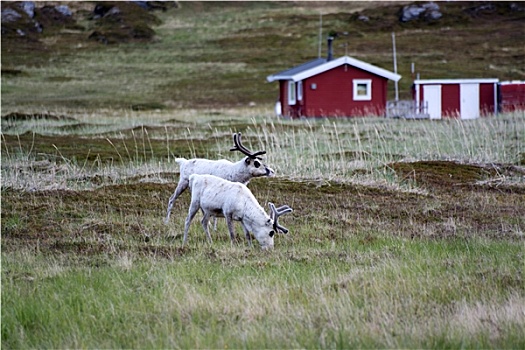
291	92
300	90
362	89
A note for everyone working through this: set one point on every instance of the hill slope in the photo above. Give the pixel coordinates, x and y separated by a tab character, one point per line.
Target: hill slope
212	54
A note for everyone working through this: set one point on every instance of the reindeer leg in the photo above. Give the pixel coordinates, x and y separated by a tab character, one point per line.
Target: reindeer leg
229	222
204	222
194	208
181	187
248	235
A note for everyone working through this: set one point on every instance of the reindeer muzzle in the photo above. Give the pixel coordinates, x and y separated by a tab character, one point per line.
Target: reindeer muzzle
270	172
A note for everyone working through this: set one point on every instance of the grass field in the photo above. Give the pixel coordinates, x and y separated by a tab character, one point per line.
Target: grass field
405	234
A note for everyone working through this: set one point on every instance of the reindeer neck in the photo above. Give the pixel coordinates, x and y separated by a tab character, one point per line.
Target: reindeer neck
239	173
254	216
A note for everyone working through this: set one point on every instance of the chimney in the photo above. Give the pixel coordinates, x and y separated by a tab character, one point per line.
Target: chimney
330	53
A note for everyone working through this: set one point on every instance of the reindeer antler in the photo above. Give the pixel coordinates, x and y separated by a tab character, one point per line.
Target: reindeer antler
239	147
276	213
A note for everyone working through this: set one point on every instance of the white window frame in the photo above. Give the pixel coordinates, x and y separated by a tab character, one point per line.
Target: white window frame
292	97
300	90
368	95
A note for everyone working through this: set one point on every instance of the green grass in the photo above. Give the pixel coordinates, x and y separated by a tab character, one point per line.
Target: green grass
389	293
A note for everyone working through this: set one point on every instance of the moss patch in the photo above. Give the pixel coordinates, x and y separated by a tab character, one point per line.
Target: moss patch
138	146
21	117
441	173
129	217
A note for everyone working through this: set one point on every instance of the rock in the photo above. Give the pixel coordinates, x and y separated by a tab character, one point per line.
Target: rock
100	10
28	7
114	11
121	22
10	15
104	10
16	22
430	6
411	12
427	11
434	15
38	27
432	11
482	9
64	9
143	4
515	7
51	19
155	5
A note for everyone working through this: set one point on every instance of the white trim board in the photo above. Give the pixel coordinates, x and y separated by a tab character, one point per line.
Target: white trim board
333	64
455	81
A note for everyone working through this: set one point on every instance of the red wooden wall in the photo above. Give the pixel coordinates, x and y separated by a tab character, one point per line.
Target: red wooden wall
450	100
512	96
486	98
333	95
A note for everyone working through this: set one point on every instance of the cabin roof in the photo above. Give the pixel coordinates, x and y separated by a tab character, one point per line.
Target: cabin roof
320	65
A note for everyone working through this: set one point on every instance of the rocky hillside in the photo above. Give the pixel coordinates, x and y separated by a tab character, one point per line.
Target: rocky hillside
27	24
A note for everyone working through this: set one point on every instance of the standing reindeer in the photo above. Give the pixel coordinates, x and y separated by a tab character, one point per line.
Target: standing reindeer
242	171
215	196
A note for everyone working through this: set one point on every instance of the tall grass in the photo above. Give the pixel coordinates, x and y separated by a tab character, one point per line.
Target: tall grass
341	149
359	150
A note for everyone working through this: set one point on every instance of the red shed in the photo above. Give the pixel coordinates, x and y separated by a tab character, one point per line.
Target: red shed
512	96
342	87
457	98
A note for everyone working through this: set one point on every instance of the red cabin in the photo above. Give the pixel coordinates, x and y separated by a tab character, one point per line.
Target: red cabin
342	87
457	98
512	96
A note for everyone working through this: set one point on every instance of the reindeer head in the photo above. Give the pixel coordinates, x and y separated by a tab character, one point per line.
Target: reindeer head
265	235
252	161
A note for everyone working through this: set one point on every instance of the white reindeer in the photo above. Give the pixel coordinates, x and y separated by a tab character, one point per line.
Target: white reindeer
233	201
242	171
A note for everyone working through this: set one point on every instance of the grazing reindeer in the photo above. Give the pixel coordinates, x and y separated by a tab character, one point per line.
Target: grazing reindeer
242	171
233	201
